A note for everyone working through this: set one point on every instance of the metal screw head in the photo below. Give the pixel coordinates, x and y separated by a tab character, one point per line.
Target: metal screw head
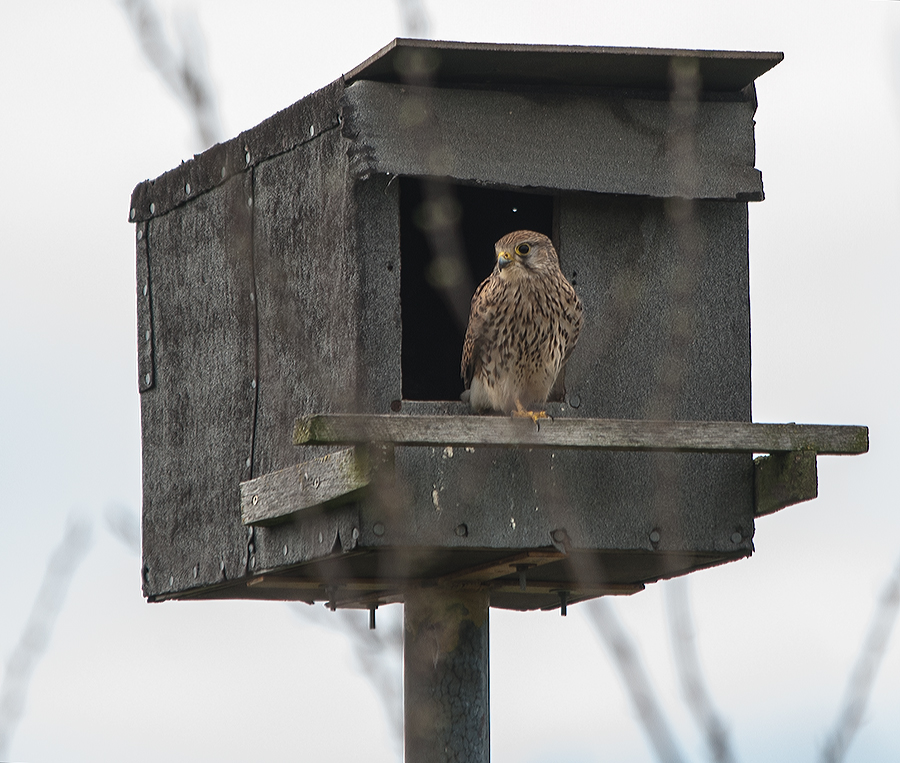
246	155
284	551
654	536
224	172
247	463
152	208
574	401
462	531
132	213
145	290
254	500
171	580
312	130
196	571
147	379
140	234
354	533
378	529
321	537
736	537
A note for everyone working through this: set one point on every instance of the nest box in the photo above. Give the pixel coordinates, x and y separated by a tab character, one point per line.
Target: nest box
300	331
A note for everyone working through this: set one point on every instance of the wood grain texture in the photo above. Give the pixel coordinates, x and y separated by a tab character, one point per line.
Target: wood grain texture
597	434
783	479
328	480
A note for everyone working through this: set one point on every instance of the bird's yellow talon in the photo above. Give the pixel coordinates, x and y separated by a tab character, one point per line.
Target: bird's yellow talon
524	413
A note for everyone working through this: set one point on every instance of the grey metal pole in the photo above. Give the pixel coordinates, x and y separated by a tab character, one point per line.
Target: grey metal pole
446	701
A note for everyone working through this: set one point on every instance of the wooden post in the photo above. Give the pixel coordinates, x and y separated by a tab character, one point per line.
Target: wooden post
446	702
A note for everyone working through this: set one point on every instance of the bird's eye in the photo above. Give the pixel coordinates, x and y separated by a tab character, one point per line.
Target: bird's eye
523	249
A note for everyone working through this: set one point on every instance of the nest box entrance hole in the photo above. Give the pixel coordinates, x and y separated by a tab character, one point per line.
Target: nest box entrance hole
447	237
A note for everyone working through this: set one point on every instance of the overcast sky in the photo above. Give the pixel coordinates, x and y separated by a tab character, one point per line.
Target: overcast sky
83	119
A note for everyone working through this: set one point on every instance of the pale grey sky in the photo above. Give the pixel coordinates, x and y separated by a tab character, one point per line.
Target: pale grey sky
83	119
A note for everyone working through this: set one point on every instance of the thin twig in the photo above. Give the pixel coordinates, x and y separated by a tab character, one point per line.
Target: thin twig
35	638
378	654
634	676
687	662
862	678
182	66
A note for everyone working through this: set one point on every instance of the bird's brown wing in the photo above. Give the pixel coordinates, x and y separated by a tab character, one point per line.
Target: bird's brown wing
471	356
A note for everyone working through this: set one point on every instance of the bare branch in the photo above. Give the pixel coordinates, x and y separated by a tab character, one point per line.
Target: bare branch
378	654
634	676
125	526
35	638
862	678
414	18
183	67
687	662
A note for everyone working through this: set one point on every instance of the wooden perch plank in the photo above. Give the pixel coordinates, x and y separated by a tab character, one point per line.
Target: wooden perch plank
598	434
330	479
784	479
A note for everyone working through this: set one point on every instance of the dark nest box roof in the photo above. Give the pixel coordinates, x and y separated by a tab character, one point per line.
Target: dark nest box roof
494	64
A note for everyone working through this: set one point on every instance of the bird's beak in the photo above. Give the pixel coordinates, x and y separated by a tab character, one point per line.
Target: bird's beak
503	259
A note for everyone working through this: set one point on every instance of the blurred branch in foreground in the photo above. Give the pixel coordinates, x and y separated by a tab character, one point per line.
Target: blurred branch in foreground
183	67
687	662
859	687
378	653
631	669
413	18
125	526
35	637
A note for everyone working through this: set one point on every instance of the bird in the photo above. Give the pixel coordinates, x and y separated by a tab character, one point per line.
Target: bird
524	322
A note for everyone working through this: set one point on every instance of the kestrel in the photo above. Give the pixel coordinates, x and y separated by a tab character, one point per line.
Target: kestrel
523	325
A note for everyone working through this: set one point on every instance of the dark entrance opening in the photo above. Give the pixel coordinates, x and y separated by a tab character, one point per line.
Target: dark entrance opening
447	237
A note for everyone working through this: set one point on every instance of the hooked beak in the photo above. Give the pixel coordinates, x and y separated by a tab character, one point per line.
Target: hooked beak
503	259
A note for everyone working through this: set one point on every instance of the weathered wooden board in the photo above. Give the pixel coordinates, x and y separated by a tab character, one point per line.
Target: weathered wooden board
783	479
198	415
622	140
598	434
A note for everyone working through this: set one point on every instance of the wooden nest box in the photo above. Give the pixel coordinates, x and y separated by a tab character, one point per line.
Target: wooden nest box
300	330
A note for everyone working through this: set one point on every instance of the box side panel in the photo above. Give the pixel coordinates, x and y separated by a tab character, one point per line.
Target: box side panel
197	420
577	140
327	281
